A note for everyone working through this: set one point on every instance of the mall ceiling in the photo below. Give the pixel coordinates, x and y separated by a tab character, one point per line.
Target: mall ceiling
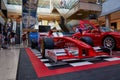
45	3
55	13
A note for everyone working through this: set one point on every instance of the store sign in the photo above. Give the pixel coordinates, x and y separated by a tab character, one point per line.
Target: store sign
29	10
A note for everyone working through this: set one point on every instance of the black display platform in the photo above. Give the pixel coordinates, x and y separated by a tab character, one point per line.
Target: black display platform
26	72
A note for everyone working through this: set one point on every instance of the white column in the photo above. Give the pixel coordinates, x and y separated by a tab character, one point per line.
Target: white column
21	31
107	20
51	5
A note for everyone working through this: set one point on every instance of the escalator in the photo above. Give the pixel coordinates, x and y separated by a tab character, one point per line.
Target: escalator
62	10
63	25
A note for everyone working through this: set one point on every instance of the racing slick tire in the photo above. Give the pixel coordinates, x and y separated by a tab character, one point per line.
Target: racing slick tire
46	43
109	42
87	40
34	44
105	49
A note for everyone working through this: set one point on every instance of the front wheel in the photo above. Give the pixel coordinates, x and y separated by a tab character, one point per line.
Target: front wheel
46	43
109	43
87	40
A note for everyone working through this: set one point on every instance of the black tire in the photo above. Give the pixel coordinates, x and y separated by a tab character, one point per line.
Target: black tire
87	40
109	42
34	44
46	43
105	49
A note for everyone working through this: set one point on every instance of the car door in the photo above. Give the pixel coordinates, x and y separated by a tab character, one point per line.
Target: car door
96	37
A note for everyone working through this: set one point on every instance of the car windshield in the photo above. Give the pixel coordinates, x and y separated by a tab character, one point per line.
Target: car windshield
88	26
106	29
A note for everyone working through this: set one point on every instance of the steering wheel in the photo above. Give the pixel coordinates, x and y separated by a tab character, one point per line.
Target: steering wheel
95	31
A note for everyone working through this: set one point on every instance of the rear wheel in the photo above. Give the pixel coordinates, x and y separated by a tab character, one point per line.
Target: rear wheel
87	40
109	42
46	43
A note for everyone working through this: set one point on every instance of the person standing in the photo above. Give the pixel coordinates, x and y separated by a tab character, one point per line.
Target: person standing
12	37
5	46
24	39
63	3
0	40
77	29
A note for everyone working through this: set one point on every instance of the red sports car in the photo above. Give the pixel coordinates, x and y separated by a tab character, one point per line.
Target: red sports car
101	36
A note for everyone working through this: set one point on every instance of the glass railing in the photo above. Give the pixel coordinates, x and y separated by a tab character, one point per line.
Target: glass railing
44	3
68	4
14	2
65	4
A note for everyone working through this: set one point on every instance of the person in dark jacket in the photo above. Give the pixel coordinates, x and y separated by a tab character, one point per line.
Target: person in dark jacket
24	39
12	37
5	39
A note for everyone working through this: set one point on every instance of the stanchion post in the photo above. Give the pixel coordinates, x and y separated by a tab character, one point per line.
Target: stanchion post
110	52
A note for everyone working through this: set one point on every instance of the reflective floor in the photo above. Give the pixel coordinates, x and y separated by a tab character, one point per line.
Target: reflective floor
8	62
9	65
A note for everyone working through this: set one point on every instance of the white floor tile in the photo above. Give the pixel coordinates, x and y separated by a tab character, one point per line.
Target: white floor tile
80	63
48	64
39	57
43	60
9	63
112	59
38	54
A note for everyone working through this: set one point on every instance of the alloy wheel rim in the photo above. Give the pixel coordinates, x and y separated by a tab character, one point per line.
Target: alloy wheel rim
109	42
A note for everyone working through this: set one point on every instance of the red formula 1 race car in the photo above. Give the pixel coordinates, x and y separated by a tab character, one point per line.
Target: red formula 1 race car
101	36
61	47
